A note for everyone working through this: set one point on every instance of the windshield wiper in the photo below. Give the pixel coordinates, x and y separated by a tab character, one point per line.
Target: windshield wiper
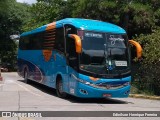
108	61
105	56
94	64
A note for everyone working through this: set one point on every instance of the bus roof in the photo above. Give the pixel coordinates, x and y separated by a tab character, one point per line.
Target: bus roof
83	24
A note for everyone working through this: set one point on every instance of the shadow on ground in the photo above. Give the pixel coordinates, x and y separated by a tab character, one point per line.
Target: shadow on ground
74	99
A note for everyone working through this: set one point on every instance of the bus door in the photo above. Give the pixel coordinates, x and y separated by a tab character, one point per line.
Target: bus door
72	58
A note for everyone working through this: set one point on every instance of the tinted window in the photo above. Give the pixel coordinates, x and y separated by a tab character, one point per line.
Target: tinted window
59	43
32	42
36	41
92	47
24	42
70	29
103	53
51	39
116	41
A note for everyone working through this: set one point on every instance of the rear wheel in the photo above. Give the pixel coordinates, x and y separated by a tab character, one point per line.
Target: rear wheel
59	89
25	76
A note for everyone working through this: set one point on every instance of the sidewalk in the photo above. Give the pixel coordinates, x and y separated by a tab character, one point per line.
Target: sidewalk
145	96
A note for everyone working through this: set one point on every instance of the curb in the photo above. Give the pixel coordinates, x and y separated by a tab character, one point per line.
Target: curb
144	96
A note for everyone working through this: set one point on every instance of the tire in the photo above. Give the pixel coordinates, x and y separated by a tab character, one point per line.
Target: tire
59	89
26	76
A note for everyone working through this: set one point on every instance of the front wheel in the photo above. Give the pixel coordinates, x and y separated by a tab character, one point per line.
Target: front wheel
59	89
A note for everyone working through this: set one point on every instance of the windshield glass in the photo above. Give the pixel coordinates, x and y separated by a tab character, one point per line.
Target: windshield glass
103	53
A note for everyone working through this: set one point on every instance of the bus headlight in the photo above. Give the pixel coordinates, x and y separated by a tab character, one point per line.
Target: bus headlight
83	81
126	84
80	80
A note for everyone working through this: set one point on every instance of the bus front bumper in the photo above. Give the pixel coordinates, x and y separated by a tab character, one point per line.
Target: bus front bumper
86	91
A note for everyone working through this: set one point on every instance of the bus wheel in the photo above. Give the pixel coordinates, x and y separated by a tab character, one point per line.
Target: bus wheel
25	76
59	89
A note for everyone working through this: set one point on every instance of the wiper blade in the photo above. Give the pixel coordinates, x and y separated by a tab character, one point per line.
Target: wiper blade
108	61
94	64
105	57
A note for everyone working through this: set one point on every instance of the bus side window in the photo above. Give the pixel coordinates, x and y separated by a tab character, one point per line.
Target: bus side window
39	38
27	42
22	46
59	39
36	41
32	42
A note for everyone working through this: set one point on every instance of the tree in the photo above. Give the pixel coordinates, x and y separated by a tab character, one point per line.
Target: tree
46	11
12	16
149	70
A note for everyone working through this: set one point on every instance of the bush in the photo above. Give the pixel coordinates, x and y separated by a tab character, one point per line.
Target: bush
147	72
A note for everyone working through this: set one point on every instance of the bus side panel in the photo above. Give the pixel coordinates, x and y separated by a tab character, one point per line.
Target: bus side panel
44	72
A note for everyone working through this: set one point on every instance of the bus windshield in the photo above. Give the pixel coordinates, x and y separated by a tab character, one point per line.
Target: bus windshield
103	53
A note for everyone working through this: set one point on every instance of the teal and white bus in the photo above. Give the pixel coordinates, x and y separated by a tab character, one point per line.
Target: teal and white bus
81	57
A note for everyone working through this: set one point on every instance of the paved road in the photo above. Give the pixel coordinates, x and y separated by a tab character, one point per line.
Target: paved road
15	95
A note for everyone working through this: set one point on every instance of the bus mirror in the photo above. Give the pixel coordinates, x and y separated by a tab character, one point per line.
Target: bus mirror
138	48
78	43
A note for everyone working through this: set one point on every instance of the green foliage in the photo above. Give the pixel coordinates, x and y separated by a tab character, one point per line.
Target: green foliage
135	16
12	16
157	17
148	70
151	47
141	19
44	12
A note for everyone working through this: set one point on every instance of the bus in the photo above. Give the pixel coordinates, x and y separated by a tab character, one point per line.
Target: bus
80	57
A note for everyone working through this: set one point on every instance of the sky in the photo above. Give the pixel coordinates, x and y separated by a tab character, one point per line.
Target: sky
27	1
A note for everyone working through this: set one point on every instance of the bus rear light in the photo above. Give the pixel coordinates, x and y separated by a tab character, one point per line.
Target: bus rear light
107	95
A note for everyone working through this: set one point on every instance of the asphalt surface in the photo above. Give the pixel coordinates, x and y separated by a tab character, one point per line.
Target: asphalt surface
15	95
